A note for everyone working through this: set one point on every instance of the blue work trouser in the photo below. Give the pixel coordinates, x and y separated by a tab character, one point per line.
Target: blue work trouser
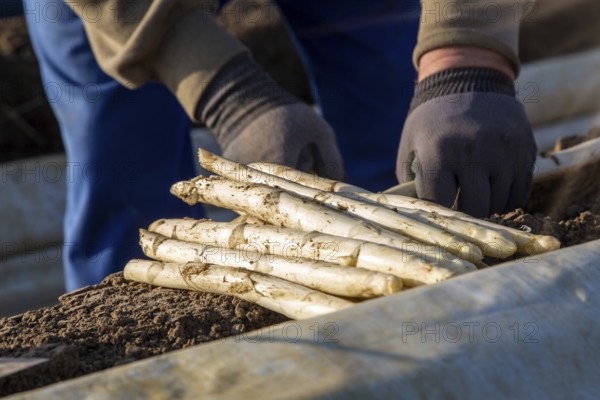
124	148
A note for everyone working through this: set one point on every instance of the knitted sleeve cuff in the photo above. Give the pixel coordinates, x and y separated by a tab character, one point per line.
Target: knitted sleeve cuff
239	93
462	80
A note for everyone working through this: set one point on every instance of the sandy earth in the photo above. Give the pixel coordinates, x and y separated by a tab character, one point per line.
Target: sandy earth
117	322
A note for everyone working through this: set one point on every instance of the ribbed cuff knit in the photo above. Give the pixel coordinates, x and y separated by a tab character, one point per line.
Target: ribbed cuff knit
462	80
238	94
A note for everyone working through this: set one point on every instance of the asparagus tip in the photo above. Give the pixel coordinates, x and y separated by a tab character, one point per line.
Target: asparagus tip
186	191
547	243
153	226
206	157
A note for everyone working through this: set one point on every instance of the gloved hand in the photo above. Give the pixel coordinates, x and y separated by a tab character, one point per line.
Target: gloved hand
255	120
467	130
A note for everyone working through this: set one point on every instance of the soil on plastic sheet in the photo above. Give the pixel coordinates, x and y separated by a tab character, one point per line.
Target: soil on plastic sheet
117	322
566	206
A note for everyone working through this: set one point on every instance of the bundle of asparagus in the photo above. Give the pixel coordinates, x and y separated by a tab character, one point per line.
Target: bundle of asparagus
304	245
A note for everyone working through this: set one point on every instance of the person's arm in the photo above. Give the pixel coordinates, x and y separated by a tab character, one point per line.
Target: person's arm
444	58
467	139
486	24
176	42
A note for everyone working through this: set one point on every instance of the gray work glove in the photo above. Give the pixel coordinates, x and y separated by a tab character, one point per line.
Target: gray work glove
255	120
467	130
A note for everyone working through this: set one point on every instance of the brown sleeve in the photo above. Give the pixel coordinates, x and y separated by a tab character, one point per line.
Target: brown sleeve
176	42
489	24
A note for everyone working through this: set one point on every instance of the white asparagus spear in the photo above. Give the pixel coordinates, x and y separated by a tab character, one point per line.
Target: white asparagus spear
282	208
492	241
287	298
526	242
413	269
379	215
559	162
325	277
304	178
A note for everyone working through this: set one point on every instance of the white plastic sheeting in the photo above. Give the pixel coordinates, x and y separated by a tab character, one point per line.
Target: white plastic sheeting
31	280
527	329
572	159
561	88
547	135
32	203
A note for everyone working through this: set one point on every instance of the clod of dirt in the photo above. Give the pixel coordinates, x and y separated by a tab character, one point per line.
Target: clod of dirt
580	223
566	207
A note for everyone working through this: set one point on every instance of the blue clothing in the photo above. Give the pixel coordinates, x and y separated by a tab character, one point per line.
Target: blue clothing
358	55
10	8
126	148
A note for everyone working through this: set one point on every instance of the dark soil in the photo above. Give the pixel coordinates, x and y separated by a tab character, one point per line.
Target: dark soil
563	196
581	223
566	206
117	322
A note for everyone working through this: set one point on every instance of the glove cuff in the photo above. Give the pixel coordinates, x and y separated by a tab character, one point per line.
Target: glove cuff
238	94
462	80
